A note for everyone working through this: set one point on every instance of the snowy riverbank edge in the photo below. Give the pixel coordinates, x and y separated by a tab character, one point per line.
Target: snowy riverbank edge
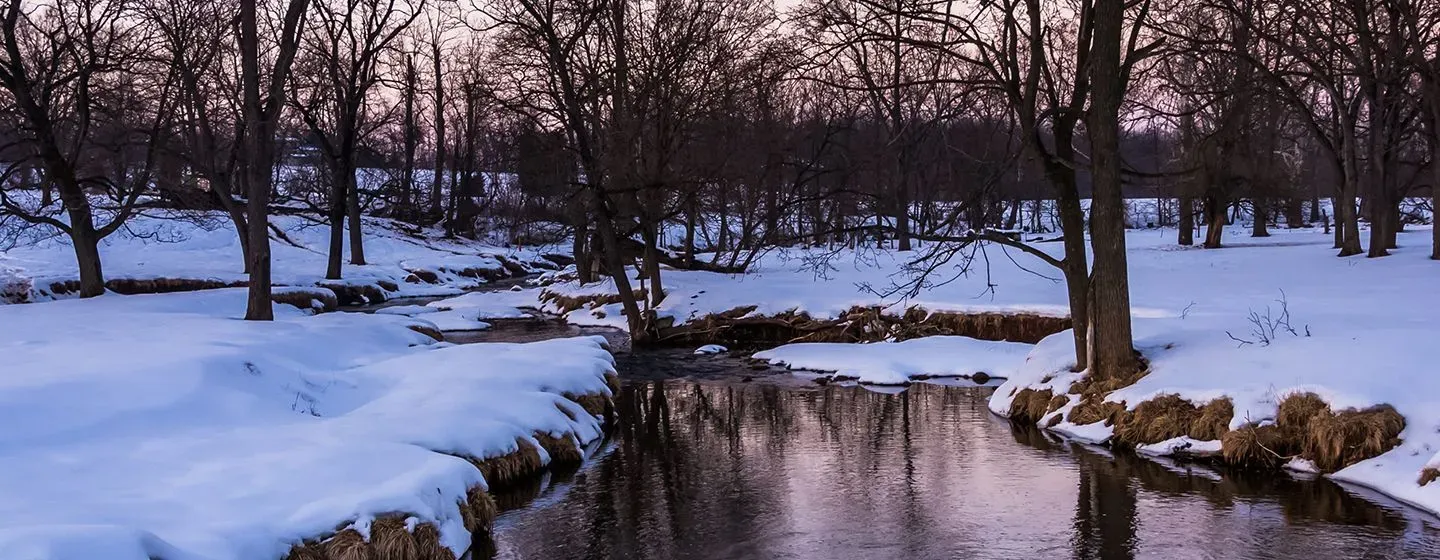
154	426
1201	368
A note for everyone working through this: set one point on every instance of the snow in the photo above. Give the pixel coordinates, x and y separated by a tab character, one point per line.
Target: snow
1183	445
406	310
505	304
154	426
893	363
204	246
711	349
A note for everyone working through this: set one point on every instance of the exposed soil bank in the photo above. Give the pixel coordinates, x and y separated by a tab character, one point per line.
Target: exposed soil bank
739	327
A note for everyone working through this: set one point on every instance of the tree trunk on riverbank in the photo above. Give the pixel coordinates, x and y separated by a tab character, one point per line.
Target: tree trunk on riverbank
1112	352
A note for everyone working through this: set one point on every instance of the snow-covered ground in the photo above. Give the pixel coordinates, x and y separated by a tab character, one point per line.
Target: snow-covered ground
204	246
893	363
149	426
1365	330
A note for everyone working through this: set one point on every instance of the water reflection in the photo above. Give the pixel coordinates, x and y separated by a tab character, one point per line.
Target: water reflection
704	470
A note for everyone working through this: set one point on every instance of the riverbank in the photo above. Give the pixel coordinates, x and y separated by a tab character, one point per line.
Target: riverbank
161	426
1229	334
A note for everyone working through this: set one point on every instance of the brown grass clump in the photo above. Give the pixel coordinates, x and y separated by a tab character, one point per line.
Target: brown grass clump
427	330
1267	446
613	382
1156	420
1093	408
1213	420
355	294
306	551
1428	475
303	298
510	467
1030	405
1298	409
1056	402
1340	440
1306	427
348	545
597	404
427	543
482	508
563	449
392	541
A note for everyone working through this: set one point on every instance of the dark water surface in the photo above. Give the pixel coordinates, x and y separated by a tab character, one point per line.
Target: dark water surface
716	468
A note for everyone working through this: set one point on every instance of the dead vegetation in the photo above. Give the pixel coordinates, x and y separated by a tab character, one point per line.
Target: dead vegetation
358	294
565	303
427	329
304	298
1170	416
859	324
1030	405
1428	475
1305	427
516	465
597	404
562	449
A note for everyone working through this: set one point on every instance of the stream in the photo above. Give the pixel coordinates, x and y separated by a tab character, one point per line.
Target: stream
714	457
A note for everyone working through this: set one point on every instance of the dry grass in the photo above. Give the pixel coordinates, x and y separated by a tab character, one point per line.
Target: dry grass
510	467
427	543
1306	427
562	449
1299	409
1213	420
613	382
1156	420
391	540
348	545
567	304
303	298
482	509
1267	446
1056	402
597	404
1093	408
1336	441
306	551
1030	405
1015	327
1428	475
355	294
427	330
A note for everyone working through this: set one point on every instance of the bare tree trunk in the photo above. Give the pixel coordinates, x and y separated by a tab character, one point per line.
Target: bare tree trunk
1187	221
1258	228
337	225
436	181
1215	218
1112	352
352	205
87	251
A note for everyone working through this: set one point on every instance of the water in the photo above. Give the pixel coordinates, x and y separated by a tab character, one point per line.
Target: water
718	468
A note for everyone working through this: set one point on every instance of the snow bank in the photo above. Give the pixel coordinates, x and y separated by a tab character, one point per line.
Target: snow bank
163	426
893	363
502	304
203	246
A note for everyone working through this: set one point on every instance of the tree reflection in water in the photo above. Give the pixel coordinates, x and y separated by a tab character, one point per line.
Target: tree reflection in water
729	470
